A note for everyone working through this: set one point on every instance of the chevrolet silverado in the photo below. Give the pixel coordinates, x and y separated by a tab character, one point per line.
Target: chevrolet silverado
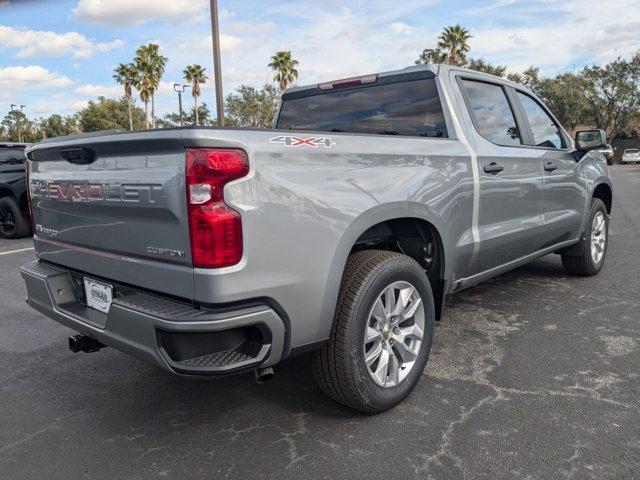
338	233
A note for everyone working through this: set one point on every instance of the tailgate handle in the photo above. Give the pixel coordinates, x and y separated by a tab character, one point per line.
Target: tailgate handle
78	156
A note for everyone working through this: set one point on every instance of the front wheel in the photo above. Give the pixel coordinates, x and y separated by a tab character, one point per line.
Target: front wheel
381	335
594	243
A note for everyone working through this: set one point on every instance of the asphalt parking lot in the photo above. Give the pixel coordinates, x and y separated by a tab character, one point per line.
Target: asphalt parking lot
532	375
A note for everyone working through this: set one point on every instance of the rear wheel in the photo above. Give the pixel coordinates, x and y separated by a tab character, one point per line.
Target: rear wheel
381	335
13	224
594	243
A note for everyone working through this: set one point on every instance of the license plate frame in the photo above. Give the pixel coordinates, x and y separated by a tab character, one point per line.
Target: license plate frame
99	295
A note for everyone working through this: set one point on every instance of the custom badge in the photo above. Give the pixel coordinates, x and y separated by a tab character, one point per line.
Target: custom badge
295	142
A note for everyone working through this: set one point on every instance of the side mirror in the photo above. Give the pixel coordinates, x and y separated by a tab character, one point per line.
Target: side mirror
587	140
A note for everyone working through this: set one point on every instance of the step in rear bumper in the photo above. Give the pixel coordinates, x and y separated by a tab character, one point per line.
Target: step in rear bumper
177	336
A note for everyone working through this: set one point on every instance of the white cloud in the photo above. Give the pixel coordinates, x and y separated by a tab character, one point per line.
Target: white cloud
31	77
166	88
123	13
91	90
32	43
401	28
333	39
204	43
567	35
117	44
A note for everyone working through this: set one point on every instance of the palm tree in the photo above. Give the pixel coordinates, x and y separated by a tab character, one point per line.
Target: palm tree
455	41
284	67
194	74
150	64
127	76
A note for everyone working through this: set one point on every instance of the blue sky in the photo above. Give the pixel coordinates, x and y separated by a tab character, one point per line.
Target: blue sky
55	55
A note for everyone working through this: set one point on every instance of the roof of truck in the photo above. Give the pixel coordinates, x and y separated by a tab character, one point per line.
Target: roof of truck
435	68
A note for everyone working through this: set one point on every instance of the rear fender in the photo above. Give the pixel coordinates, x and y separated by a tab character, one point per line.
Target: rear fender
360	224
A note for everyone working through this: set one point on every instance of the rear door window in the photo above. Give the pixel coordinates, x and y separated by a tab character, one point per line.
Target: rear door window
492	112
546	133
409	108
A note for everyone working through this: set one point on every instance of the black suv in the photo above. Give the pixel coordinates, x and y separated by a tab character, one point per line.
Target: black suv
14	208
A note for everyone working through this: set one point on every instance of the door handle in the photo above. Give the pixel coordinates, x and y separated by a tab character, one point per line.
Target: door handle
550	167
493	167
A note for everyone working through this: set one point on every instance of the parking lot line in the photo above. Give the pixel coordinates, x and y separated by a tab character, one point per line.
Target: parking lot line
17	251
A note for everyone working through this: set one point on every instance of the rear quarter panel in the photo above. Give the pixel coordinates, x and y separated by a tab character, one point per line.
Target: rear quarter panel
303	208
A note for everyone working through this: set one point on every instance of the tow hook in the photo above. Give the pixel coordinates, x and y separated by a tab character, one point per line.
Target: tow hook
82	343
263	375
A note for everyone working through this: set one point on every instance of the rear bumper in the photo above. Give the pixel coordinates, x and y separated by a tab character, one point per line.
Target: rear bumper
177	336
630	160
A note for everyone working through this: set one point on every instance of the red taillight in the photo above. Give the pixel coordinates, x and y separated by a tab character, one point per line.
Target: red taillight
214	227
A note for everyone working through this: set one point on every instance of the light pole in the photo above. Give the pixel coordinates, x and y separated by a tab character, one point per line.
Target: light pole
215	38
178	87
16	110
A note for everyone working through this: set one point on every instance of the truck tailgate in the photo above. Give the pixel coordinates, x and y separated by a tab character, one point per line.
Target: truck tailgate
113	205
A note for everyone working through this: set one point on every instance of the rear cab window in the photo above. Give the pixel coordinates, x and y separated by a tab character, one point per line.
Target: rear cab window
391	106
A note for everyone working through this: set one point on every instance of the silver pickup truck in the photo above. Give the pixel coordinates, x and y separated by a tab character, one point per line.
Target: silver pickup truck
338	233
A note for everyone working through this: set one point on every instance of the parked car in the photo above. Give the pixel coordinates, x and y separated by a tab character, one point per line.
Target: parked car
607	151
631	155
14	208
340	232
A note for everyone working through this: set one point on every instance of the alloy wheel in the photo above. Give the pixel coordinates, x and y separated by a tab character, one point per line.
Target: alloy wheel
7	221
598	237
393	334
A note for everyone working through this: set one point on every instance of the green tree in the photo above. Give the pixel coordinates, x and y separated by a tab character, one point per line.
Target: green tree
189	118
564	95
195	75
250	107
284	66
482	65
429	55
452	48
529	78
9	128
612	94
109	114
56	126
150	65
454	40
127	76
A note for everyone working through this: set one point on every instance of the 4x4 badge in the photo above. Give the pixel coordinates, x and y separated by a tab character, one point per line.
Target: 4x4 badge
294	142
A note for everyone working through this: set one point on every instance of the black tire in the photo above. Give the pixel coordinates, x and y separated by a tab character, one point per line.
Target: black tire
339	367
583	263
13	224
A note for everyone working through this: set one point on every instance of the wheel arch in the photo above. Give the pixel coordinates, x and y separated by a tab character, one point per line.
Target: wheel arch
417	213
604	192
7	192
